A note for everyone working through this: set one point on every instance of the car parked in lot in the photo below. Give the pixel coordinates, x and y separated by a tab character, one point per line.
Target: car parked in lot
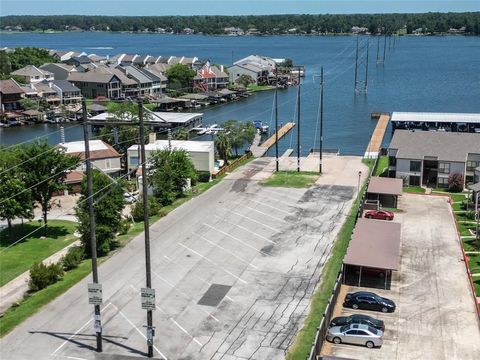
379	214
368	301
358	319
357	334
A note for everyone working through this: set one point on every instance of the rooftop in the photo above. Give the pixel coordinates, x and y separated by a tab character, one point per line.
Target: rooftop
384	185
446	146
31	70
435	117
170	117
98	149
188	145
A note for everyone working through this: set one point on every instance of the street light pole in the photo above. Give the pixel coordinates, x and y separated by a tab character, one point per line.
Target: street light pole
321	122
358	187
298	123
276	119
477	212
146	227
91	218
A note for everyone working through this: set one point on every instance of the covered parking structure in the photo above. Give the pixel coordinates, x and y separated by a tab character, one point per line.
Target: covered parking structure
373	253
384	192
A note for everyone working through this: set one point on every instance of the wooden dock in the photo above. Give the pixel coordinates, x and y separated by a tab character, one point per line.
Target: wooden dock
260	150
375	143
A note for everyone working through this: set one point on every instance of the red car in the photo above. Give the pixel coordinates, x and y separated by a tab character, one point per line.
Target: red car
379	215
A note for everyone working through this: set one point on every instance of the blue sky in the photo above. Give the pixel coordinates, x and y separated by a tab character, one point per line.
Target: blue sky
226	7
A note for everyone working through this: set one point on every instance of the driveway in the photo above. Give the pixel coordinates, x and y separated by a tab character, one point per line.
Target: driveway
435	316
234	270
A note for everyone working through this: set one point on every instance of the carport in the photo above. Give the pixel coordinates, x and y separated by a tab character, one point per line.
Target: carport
373	249
385	191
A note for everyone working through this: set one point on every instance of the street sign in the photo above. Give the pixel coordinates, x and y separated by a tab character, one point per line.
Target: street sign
95	294
148	299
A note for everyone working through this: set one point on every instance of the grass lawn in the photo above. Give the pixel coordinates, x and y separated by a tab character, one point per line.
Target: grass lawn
31	304
254	88
414	189
382	166
20	257
318	303
293	179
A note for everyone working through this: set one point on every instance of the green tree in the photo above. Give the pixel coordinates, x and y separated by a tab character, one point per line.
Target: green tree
108	205
239	134
15	198
45	169
245	80
180	134
180	75
5	64
169	174
223	146
29	104
29	56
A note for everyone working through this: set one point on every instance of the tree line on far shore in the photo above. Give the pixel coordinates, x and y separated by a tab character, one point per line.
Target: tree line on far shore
265	24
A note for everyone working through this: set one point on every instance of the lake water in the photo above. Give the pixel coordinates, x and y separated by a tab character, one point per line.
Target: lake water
440	74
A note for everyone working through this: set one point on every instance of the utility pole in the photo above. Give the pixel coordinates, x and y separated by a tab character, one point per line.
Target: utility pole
356	67
91	218
321	121
366	65
276	120
384	47
298	123
146	226
477	213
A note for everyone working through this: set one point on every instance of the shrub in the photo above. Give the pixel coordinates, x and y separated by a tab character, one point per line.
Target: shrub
124	226
73	257
203	176
153	208
455	182
42	275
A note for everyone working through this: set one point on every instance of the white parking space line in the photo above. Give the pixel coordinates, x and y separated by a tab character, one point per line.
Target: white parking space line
255	221
244	228
270	206
350	347
236	239
186	332
214	263
76	332
183	294
138	330
274	199
263	213
198	277
227	251
281	195
74	358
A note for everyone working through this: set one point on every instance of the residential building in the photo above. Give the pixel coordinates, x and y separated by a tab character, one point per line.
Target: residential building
47	94
212	77
78	60
258	74
258	60
97	83
429	157
64	55
60	71
145	82
10	95
202	153
159	67
32	74
125	59
160	81
66	91
234	31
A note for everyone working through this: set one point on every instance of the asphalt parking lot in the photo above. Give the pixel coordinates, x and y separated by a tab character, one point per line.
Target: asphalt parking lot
435	316
233	269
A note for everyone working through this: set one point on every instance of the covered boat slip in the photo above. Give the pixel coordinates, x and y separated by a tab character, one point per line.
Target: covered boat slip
373	253
462	122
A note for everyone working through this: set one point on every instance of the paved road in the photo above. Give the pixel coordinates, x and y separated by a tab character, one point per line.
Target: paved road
263	248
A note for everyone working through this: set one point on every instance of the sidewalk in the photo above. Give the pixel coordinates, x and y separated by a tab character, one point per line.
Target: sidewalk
15	289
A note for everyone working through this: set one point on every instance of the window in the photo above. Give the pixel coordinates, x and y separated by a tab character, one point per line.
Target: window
108	163
352	332
415	165
133	160
471	165
444	168
361	332
392	160
414	180
442	182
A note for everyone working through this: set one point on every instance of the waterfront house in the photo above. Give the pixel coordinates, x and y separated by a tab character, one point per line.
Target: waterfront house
47	94
10	95
32	74
429	157
64	55
145	82
78	60
96	83
125	59
261	61
212	77
160	81
97	58
233	31
258	74
102	155
158	67
66	91
60	71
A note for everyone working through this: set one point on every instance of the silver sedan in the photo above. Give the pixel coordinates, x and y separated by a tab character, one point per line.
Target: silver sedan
357	334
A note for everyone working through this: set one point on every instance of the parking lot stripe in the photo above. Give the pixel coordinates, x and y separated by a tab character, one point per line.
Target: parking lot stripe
138	330
227	251
183	294
198	277
247	230
281	195
275	200
255	221
265	214
236	239
270	206
214	263
186	332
